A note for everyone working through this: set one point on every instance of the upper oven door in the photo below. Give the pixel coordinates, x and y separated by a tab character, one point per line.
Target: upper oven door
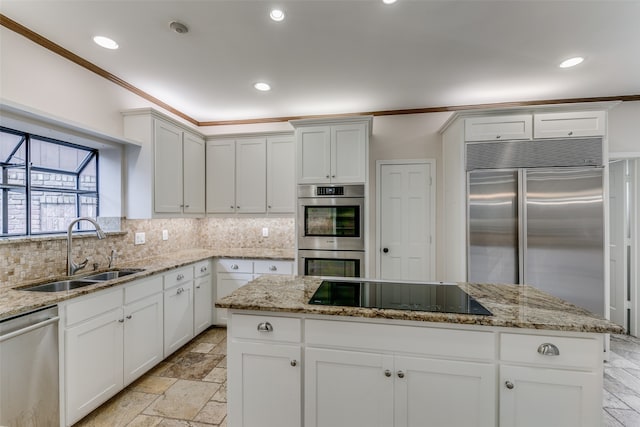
331	223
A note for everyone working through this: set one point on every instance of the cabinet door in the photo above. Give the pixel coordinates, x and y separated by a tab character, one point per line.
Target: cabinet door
143	338
537	396
346	389
281	177
93	363
265	385
194	173
572	124
348	153
251	175
498	128
314	154
430	392
178	317
225	284
167	168
221	176
202	304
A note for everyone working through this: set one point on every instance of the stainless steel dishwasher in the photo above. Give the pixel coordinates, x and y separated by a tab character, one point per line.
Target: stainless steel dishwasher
29	369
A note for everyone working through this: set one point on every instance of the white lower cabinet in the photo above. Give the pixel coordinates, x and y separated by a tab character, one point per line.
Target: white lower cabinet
202	297
111	338
178	317
347	388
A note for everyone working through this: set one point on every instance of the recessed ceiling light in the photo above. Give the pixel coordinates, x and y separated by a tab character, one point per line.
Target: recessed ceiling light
571	62
105	42
262	86
389	1
277	15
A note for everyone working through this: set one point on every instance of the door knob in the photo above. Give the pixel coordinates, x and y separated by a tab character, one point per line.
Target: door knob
385	250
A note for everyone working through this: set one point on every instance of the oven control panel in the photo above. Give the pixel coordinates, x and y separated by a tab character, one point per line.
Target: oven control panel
329	191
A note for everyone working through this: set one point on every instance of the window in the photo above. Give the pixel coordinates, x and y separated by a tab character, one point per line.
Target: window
45	184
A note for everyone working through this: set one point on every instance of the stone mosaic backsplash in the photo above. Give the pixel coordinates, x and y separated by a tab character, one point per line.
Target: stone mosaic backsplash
44	257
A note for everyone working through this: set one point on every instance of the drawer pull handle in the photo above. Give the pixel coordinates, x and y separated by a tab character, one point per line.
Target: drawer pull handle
273	268
180	277
387	373
400	374
548	349
120	320
181	290
265	327
498	136
294	363
509	385
570	133
203	269
234	266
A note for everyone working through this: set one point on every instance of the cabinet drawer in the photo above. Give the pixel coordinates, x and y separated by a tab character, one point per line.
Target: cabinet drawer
202	268
234	266
94	305
573	352
400	339
499	128
559	125
267	328
273	267
142	288
178	276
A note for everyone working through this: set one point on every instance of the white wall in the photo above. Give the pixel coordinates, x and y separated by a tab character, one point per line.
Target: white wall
624	128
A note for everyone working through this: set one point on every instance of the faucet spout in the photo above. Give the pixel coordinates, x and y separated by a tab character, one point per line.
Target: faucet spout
72	267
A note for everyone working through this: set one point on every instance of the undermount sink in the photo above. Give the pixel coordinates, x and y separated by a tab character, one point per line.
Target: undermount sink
113	274
67	285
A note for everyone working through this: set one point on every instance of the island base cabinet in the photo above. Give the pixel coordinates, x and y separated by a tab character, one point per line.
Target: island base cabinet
347	389
93	363
265	390
531	397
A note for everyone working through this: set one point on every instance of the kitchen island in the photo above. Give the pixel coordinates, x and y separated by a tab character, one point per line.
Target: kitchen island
535	360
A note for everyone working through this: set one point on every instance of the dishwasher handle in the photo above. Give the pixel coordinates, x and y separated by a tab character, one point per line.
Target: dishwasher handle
29	328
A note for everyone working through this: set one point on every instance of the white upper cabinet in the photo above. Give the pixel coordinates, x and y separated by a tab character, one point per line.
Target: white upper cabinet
496	128
251	175
332	152
571	124
165	175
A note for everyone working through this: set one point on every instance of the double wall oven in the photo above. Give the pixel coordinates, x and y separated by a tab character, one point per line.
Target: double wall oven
331	230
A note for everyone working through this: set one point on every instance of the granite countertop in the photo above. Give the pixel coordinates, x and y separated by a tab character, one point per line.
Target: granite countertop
513	306
14	301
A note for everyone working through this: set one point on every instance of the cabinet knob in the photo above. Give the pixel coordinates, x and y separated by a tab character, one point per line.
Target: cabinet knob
186	206
180	277
548	349
120	320
498	136
387	373
294	363
265	327
198	287
129	316
182	206
269	206
570	133
203	269
237	207
333	176
400	374
327	176
273	268
231	207
509	385
385	250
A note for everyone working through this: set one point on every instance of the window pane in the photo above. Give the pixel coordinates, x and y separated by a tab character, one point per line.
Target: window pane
88	176
48	154
8	144
51	212
53	180
16	213
88	207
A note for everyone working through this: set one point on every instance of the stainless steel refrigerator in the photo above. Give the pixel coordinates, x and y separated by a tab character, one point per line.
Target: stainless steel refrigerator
541	225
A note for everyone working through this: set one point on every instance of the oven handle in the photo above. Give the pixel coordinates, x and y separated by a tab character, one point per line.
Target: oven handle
29	328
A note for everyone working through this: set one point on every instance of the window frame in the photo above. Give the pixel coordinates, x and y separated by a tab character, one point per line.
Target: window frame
28	188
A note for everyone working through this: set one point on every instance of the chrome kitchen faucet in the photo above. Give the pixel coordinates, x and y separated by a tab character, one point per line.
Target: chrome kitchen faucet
72	267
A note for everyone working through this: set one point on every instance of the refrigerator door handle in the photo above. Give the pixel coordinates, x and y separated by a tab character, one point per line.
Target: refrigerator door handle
522	225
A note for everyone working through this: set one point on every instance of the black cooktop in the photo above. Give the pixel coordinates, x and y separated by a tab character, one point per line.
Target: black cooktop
433	297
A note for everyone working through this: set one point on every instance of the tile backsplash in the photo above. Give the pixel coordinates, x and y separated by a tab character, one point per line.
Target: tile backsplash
44	257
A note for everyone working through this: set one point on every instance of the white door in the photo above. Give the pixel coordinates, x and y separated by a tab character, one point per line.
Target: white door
314	154
269	385
446	393
194	173
251	175
406	221
348	153
178	317
617	246
143	336
221	176
348	388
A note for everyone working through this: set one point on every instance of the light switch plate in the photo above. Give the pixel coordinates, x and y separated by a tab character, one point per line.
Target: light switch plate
165	234
265	231
139	238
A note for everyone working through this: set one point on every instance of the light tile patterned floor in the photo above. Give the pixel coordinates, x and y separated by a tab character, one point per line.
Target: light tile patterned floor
189	389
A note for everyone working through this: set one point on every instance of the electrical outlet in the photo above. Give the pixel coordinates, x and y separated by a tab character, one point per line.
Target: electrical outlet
139	238
265	231
165	234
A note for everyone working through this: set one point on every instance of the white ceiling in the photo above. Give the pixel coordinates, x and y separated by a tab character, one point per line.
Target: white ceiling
333	57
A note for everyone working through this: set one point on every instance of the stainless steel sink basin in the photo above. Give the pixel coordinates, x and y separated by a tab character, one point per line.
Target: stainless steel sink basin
67	285
62	285
113	274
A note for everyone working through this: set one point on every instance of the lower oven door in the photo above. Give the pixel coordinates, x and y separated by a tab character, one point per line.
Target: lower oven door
331	263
